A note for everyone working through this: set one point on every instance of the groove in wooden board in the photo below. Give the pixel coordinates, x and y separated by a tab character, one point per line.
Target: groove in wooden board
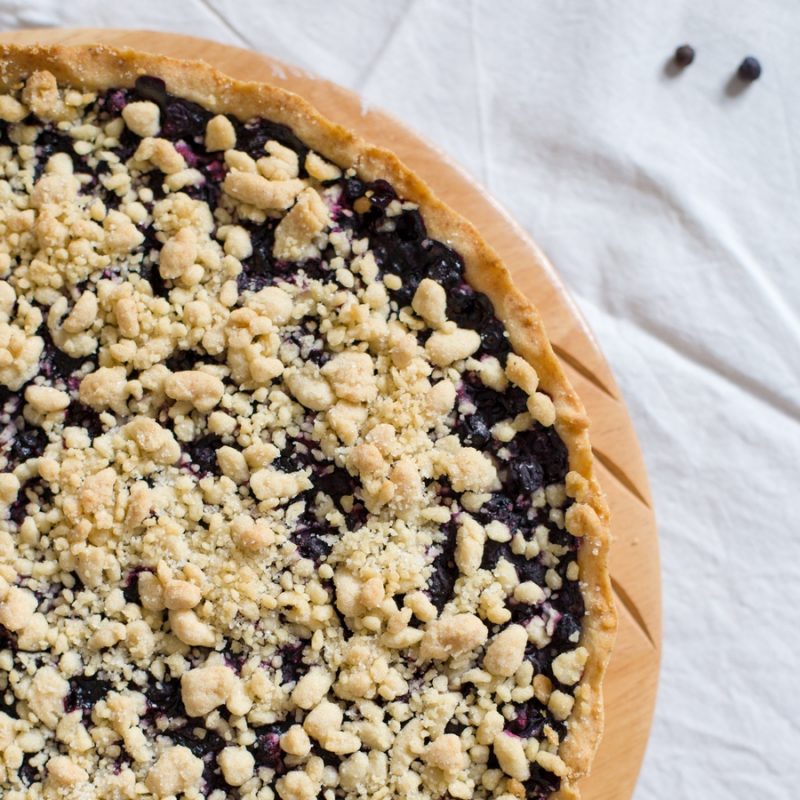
619	474
631	608
634	556
576	364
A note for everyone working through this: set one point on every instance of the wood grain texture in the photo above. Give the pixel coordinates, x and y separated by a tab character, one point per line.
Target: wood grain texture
630	687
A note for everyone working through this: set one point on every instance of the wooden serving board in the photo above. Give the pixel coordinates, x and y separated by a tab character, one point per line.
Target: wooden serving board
630	687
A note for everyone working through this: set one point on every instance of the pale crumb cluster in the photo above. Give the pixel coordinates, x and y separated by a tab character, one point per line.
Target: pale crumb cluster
174	534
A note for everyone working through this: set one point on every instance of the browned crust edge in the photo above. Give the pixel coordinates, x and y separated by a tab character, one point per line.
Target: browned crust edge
97	67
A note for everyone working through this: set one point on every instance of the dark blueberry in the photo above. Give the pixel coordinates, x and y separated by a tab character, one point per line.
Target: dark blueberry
541	659
85	692
308	536
405	259
128	144
202	454
526	474
335	482
252	136
8	702
214	783
356	518
749	69
494	341
454	726
528	721
566	628
131	590
292	666
5	395
545	446
148	87
474	431
27	443
215	170
54	363
318	356
205	191
328	758
148	269
541	784
35	491
188	154
164	699
184	360
444	265
236	660
353	188
443	572
570	599
410	226
17	511
501	508
296	455
114	101
183	119
267	747
495	406
381	193
51	141
470	309
529	569
684	55
562	538
315	269
492	553
80	416
259	269
27	772
200	741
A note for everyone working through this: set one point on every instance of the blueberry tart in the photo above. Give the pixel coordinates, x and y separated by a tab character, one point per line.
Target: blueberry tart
296	501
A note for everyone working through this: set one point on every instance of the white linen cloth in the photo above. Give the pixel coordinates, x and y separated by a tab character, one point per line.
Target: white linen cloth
671	207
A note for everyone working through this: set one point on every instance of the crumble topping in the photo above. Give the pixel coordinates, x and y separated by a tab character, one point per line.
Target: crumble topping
282	514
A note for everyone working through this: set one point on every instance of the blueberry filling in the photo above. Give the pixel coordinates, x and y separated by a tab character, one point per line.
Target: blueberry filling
541	784
267	747
529	719
313	538
131	587
85	692
81	416
474	431
27	443
164	700
180	119
35	493
202	454
443	571
28	772
292	666
54	363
